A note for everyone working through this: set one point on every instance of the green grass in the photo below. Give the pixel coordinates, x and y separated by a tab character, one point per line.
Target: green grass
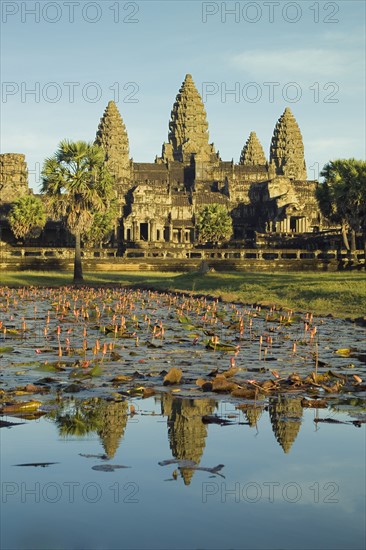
342	294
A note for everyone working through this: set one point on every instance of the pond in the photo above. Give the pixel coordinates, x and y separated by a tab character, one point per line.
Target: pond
132	419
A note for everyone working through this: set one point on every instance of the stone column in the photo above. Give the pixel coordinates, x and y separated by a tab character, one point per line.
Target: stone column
170	232
152	230
134	231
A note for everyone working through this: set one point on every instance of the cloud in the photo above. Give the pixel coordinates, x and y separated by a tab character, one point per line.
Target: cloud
297	64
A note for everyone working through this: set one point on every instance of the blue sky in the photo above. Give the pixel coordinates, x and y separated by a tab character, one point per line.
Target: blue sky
77	55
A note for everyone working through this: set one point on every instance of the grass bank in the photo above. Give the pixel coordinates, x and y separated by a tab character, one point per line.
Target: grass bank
342	294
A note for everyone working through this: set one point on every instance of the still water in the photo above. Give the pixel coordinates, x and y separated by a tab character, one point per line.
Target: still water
284	480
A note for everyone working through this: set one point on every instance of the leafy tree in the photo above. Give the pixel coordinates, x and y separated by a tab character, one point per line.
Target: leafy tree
342	196
78	186
27	217
103	225
214	224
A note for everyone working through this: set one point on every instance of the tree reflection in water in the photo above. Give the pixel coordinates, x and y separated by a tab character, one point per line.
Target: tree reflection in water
107	418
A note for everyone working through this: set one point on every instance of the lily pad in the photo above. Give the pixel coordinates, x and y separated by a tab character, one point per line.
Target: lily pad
108	467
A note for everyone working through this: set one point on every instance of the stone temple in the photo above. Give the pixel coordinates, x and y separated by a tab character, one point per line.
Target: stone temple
159	201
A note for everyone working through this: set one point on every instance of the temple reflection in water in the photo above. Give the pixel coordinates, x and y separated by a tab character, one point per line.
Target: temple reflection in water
187	432
285	415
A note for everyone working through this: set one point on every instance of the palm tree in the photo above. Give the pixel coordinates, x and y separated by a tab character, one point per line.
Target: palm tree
27	216
77	185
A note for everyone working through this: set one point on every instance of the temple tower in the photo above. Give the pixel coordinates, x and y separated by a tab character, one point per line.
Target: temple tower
252	153
188	127
13	177
112	136
287	149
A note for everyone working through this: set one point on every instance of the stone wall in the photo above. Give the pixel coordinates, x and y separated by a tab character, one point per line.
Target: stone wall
178	260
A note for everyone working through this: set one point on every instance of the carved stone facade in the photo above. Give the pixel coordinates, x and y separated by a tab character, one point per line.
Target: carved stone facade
160	200
261	196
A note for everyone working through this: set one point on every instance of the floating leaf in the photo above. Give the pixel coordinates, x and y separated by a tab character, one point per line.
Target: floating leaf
21	406
220	384
121	379
221	346
344	352
215	419
38	464
47	367
174	376
96	371
6	349
108	467
6	424
184	463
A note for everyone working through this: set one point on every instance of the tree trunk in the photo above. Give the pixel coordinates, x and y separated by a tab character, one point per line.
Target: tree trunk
78	269
345	238
353	246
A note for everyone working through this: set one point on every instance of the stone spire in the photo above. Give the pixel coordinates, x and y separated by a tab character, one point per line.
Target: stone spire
287	148
188	127
112	136
13	177
252	153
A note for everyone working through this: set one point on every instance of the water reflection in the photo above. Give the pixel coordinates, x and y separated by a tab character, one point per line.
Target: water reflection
270	496
252	413
107	418
186	431
285	415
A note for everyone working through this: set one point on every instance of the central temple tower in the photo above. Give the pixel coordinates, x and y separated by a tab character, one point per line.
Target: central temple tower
188	128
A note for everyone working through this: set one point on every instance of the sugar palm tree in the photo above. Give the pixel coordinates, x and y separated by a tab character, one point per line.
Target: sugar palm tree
342	195
77	185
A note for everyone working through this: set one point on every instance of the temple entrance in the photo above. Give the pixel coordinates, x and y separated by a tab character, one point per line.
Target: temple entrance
298	224
144	232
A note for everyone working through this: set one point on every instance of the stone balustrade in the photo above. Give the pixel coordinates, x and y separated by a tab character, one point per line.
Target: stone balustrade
178	256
